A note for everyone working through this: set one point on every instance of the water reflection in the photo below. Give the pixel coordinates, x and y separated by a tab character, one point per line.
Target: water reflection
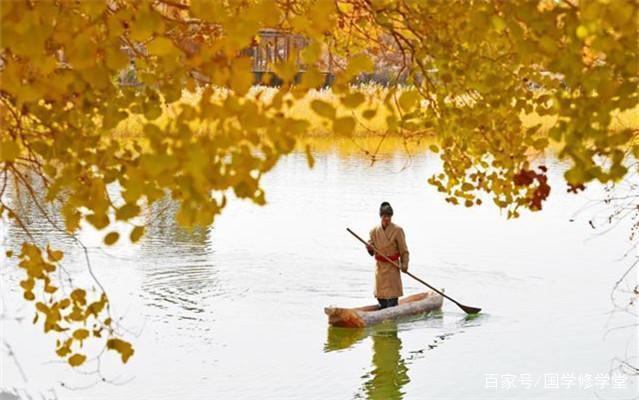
163	230
36	215
179	276
389	372
342	338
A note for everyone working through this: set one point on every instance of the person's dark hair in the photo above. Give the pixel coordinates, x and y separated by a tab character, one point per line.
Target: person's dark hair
385	209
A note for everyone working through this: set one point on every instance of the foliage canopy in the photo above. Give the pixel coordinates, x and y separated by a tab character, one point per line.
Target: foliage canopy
472	69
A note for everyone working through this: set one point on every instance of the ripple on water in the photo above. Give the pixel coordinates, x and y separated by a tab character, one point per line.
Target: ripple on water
182	292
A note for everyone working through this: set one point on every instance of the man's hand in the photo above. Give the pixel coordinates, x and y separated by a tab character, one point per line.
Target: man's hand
404	268
370	249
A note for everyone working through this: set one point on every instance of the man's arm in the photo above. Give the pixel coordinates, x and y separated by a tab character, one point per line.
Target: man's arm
403	250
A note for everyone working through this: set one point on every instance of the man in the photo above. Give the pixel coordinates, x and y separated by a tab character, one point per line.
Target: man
389	240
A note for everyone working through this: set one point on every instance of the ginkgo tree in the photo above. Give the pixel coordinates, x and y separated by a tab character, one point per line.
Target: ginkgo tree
469	71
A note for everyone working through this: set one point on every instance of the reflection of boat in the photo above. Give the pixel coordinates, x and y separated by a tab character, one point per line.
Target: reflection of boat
369	315
343	338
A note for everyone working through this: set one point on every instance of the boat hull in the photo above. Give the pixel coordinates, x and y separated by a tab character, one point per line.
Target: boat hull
361	317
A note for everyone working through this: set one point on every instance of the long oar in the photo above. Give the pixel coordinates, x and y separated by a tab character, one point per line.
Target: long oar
467	309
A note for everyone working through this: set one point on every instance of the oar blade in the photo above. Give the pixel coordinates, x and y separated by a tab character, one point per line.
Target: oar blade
469	310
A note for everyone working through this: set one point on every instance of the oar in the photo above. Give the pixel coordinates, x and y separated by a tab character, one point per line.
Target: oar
467	309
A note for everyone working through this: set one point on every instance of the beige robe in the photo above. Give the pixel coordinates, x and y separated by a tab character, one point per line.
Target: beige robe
389	241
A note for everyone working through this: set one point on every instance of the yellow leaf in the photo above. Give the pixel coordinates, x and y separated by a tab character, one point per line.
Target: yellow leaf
323	109
241	78
50	289
92	8
498	23
115	58
64	349
54	255
127	211
286	71
27	284
77	359
575	175
124	348
344	125
312	78
111	238
9	150
155	164
547	45
368	114
408	99
136	233
80	334
617	171
147	22
79	296
71	217
360	63
353	100
161	46
582	32
100	220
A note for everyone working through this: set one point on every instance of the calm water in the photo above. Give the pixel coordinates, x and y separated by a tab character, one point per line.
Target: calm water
236	310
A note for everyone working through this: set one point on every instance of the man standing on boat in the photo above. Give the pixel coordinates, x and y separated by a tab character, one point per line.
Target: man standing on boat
389	239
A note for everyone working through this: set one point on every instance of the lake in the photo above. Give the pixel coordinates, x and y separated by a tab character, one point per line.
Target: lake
235	311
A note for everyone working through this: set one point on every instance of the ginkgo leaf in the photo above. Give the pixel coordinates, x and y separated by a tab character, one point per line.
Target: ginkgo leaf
323	108
136	233
77	359
79	295
408	99
344	125
9	151
80	334
353	100
111	238
124	348
368	114
160	46
127	211
54	255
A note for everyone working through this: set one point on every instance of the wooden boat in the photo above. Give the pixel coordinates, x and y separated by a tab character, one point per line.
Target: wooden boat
370	315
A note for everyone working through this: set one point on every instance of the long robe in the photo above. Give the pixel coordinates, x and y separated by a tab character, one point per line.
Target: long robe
389	241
